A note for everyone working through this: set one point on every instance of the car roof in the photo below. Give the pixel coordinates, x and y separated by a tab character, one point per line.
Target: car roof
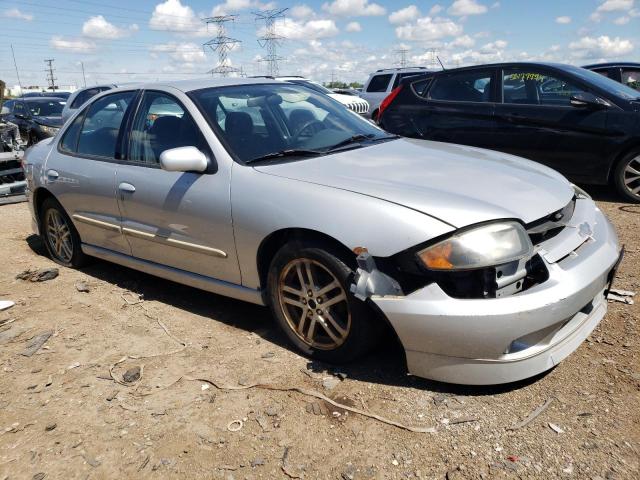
612	64
42	99
199	84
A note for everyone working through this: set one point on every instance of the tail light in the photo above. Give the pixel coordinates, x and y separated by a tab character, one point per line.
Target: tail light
387	101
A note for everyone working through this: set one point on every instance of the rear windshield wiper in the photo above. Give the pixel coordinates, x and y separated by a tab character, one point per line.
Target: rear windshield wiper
294	152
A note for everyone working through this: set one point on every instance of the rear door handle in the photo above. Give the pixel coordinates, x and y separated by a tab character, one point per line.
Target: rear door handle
126	187
52	174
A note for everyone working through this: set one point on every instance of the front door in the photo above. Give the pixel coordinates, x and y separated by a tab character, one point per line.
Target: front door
178	219
537	121
81	171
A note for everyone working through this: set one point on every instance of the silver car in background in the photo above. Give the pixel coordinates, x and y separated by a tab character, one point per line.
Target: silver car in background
487	267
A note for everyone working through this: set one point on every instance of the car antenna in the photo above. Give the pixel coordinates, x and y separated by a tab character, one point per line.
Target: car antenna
441	64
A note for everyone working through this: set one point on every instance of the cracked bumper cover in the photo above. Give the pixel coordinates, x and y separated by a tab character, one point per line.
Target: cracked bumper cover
501	340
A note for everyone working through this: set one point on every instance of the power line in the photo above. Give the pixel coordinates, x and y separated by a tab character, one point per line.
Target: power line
222	44
270	40
403	56
50	78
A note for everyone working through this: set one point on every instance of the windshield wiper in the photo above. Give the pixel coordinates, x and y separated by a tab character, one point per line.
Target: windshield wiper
371	137
294	152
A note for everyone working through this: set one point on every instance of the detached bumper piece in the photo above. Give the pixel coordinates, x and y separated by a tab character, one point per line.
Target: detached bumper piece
516	336
12	181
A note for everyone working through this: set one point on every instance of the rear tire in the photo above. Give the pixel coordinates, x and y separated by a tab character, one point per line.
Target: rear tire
317	311
59	235
626	177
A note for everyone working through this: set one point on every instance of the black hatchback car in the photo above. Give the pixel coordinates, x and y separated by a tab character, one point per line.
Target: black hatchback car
576	121
37	117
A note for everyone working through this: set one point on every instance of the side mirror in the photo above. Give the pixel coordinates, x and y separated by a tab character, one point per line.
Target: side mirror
587	100
5	111
183	159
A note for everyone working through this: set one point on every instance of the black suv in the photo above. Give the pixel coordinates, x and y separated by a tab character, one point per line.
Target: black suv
627	73
576	121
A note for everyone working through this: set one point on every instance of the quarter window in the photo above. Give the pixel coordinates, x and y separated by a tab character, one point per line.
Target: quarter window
379	83
161	124
529	87
473	86
631	78
99	134
85	95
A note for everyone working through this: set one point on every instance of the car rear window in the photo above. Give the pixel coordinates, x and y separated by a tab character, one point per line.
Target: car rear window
379	83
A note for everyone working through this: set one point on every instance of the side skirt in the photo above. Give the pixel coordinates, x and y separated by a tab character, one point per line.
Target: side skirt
202	282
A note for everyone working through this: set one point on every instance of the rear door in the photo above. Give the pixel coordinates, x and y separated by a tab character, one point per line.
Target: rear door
458	108
81	171
178	219
537	121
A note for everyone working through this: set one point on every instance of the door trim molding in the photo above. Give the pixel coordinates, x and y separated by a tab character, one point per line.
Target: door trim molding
97	223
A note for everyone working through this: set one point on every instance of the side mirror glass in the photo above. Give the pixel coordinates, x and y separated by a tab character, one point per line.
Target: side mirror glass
183	159
587	100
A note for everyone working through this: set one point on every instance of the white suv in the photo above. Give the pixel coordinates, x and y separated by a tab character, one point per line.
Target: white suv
352	102
382	82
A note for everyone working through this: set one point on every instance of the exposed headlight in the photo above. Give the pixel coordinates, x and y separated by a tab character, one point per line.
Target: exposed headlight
49	130
487	245
580	193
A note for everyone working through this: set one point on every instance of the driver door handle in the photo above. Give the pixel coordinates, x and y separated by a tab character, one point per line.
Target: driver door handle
52	174
126	187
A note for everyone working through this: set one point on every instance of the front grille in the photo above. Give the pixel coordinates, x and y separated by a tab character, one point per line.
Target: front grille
358	107
551	225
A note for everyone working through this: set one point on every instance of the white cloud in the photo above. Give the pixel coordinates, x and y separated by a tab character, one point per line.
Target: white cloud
353	27
436	9
608	6
187	52
171	15
15	13
464	41
75	45
404	15
233	6
603	46
301	30
353	8
302	11
461	8
563	20
99	27
428	29
621	20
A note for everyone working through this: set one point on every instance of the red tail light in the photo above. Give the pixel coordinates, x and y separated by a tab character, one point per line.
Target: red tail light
387	101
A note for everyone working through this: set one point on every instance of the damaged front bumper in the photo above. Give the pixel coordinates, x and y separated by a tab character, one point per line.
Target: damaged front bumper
501	340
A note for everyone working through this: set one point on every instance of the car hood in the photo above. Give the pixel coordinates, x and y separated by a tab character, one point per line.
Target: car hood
347	99
49	121
457	184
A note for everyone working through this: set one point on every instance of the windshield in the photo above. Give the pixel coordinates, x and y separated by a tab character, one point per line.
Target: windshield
313	86
258	120
611	86
46	108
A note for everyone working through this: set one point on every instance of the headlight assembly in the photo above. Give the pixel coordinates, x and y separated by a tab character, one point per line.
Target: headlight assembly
580	193
49	130
487	245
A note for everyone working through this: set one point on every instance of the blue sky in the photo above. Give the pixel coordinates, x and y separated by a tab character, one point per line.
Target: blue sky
347	39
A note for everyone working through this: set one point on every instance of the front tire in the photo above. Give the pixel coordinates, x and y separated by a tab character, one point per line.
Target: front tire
309	295
626	177
60	236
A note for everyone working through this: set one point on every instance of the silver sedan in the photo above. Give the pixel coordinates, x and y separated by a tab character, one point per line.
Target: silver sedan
486	267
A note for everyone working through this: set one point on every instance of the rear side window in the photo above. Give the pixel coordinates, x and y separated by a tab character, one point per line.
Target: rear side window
69	141
421	87
101	125
379	83
402	76
85	95
473	86
631	77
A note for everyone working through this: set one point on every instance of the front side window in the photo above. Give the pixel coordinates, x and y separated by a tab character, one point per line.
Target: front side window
631	78
471	86
379	83
161	123
531	87
99	133
19	109
255	121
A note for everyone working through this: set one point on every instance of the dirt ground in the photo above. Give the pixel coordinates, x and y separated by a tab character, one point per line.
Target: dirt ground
63	416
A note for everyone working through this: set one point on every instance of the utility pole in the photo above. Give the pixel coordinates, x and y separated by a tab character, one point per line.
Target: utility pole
50	78
222	44
270	40
16	65
333	79
403	56
433	58
84	79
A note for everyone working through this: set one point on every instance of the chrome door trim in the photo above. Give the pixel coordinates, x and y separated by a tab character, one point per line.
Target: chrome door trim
97	223
174	243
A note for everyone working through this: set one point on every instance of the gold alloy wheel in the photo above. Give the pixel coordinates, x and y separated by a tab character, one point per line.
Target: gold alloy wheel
58	235
314	304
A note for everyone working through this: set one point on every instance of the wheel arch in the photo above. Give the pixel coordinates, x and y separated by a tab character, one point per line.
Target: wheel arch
622	154
40	194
